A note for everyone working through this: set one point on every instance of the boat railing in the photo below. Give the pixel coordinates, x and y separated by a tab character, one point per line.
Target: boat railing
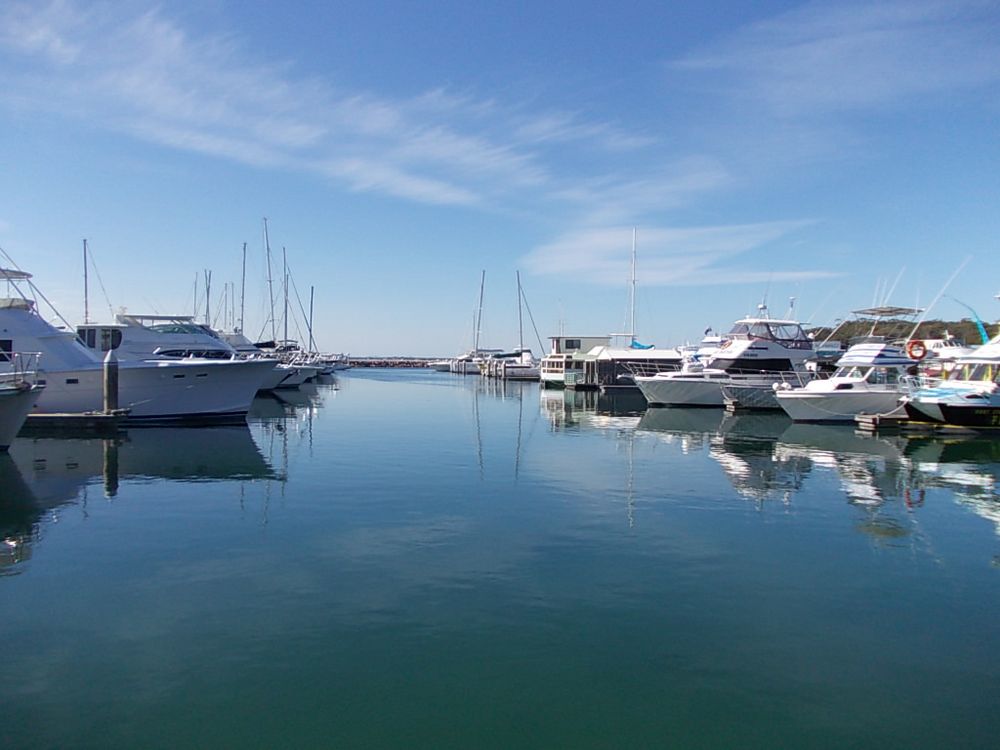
791	378
19	367
650	368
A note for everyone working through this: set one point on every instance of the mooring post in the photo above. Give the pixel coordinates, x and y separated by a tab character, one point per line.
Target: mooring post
110	382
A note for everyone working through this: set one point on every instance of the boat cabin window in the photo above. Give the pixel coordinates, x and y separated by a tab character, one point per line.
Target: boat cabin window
110	338
6	350
572	344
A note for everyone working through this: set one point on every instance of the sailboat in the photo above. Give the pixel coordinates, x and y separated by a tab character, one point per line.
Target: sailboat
519	364
615	365
468	363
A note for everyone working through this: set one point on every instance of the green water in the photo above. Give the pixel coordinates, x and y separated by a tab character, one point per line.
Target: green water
423	560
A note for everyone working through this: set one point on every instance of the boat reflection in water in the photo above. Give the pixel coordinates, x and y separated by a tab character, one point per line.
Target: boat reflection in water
42	476
573	409
887	476
746	448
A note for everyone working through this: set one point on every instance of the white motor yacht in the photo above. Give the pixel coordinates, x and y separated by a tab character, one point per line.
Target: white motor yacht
146	337
757	350
151	390
867	381
519	364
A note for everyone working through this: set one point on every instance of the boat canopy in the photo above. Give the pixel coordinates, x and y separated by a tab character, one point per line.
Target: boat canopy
786	332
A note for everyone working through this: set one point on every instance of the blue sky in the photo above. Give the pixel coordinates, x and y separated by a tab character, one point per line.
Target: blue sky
830	152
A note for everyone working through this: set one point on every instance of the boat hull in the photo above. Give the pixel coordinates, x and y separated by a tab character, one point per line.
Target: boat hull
979	417
185	390
836	406
15	404
681	391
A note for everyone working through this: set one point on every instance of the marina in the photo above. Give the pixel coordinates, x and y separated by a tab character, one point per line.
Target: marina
406	557
457	375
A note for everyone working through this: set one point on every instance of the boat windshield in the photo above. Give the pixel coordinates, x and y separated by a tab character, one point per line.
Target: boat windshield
789	335
186	328
984	372
853	372
882	376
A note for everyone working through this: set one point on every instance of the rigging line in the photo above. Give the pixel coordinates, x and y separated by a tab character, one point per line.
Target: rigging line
951	278
220	308
298	299
34	289
541	347
93	264
295	288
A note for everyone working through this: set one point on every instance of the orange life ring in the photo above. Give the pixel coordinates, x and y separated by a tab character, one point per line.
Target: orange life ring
916	349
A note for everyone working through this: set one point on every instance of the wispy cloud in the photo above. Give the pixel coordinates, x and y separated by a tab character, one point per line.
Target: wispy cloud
143	74
670	256
825	57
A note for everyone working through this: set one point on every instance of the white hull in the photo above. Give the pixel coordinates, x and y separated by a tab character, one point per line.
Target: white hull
273	379
681	391
836	406
153	391
553	380
15	404
293	376
463	367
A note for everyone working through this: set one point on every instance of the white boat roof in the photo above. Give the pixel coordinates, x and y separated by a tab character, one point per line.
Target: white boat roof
772	321
872	353
134	316
14	275
887	311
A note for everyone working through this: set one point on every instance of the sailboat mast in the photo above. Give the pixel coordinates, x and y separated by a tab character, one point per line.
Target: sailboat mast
632	292
86	294
520	323
479	314
312	341
284	264
243	287
208	297
270	282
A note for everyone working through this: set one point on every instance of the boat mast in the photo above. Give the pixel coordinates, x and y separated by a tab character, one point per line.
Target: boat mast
86	298
312	341
479	315
208	297
632	294
284	264
270	283
520	322
243	287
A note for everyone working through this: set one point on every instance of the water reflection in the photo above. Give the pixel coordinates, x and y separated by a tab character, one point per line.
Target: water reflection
888	476
41	475
572	409
745	446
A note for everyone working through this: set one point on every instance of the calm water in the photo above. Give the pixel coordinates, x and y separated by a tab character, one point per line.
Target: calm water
423	560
